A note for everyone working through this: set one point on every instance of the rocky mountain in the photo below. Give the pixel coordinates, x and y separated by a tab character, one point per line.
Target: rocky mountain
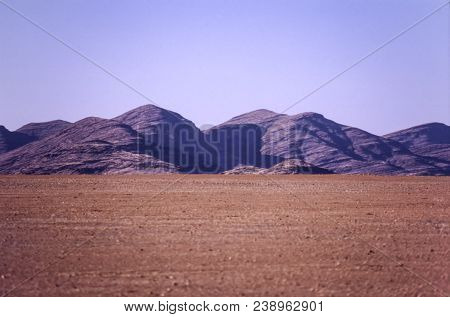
12	140
244	170
170	137
295	166
42	130
324	143
151	139
430	140
89	146
351	150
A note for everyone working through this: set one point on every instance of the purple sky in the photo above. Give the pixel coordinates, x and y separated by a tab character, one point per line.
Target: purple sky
211	60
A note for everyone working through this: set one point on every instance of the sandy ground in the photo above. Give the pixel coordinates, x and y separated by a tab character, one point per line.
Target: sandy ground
224	236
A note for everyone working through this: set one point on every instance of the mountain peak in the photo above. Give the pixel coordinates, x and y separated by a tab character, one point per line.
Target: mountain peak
259	116
308	115
259	113
263	112
432	130
422	127
147	107
147	115
42	130
150	110
90	120
46	122
424	137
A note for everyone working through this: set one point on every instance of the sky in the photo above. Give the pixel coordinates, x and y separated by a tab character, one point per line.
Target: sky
210	60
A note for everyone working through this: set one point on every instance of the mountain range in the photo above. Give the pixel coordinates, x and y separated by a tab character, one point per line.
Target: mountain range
150	139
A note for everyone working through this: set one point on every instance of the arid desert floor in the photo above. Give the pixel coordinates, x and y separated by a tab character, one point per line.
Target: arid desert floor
218	235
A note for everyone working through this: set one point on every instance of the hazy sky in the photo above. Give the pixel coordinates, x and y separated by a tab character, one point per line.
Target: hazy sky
211	60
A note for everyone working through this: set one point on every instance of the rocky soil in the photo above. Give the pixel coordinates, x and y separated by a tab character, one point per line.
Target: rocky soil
217	235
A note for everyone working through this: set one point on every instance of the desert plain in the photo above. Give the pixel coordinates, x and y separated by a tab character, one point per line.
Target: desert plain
224	235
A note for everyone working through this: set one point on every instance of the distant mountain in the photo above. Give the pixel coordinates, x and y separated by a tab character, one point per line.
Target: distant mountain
12	140
431	140
89	146
150	139
261	117
336	147
169	137
44	129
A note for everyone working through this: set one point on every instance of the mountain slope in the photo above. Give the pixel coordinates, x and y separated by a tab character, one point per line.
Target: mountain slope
43	130
238	144
432	140
151	139
336	147
12	140
170	137
89	146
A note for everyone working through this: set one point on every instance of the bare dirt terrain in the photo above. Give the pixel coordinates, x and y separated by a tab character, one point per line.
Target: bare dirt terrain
218	235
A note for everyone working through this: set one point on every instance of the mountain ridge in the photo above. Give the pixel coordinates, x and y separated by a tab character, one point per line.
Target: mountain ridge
41	130
261	138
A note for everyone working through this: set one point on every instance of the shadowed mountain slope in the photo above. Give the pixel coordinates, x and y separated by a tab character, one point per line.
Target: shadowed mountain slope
239	144
12	140
168	136
432	140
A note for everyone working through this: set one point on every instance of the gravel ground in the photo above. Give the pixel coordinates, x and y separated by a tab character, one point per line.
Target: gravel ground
220	235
